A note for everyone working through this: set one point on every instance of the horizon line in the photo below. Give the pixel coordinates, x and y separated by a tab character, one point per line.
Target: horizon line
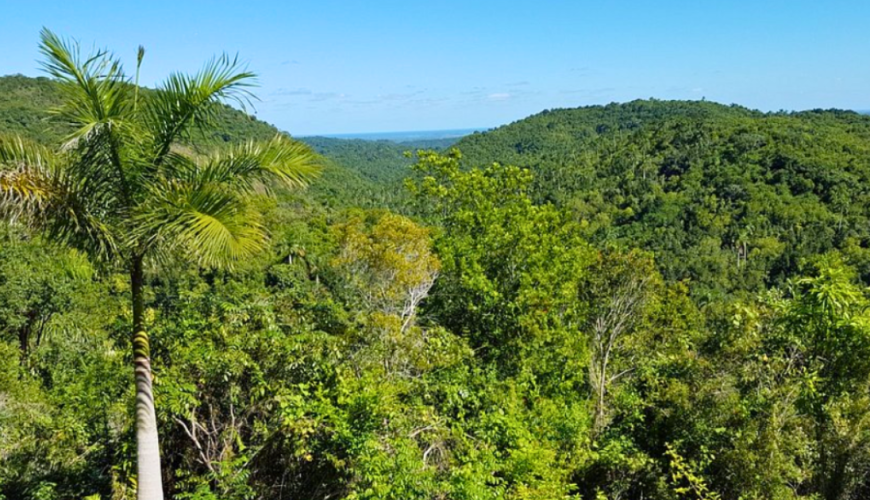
352	135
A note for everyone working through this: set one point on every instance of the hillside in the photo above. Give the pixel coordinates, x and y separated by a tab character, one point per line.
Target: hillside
362	173
25	105
384	161
727	197
514	340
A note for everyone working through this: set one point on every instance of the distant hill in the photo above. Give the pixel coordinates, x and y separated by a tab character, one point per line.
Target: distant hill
727	197
378	161
358	172
412	136
382	163
435	144
25	104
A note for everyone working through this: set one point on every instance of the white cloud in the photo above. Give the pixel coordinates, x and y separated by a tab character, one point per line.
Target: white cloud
499	96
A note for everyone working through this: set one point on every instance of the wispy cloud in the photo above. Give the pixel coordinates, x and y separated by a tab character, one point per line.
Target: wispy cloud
428	101
514	92
400	96
474	91
581	71
588	92
326	96
311	95
290	92
677	90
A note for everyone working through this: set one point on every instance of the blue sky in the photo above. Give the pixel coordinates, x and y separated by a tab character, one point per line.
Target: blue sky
331	66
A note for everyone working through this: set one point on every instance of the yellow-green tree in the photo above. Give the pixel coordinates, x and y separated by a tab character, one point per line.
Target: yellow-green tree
390	266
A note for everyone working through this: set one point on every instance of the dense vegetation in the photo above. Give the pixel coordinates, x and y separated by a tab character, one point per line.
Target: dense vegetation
657	300
26	105
727	197
364	173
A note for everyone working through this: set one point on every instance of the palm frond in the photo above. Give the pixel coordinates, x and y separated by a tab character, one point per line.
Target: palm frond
179	163
279	161
98	105
70	221
94	167
183	101
36	186
124	185
96	90
79	214
24	168
214	227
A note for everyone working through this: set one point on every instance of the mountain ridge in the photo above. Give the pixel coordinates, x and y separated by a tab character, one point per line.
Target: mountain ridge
712	190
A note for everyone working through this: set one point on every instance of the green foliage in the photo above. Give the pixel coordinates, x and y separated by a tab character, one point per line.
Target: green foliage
730	198
382	162
684	473
646	307
357	173
63	396
26	106
511	268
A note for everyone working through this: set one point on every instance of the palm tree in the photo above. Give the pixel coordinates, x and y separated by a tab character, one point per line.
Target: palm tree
122	191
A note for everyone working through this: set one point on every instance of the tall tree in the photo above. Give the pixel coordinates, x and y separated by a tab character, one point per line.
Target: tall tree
122	191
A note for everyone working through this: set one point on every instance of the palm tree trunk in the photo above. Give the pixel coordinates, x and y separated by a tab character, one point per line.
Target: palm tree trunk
150	483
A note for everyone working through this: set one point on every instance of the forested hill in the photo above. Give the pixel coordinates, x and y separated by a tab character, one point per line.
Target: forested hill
385	160
361	173
508	342
25	105
728	197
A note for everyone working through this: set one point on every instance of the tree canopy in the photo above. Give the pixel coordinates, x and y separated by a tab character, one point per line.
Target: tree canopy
658	300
